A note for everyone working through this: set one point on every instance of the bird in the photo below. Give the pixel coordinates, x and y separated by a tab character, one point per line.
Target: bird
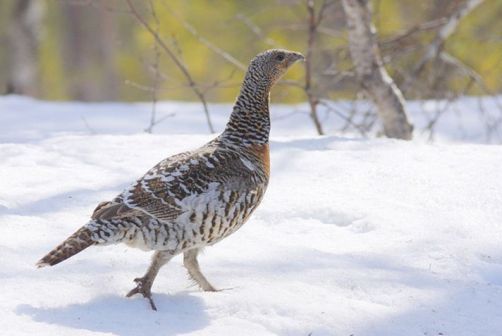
197	198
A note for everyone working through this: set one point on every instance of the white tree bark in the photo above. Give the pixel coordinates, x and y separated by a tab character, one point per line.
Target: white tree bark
23	40
371	73
443	33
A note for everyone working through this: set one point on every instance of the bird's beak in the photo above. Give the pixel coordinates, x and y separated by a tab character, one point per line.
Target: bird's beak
294	57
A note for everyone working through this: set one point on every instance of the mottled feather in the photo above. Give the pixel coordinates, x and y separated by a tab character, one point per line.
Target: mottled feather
193	199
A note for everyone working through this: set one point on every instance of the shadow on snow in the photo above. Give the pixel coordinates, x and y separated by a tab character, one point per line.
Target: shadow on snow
179	313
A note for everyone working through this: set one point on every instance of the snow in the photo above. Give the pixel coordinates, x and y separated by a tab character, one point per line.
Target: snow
462	120
355	236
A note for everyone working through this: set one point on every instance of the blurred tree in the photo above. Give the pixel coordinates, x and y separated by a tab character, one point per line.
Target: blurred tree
89	51
372	74
23	44
95	50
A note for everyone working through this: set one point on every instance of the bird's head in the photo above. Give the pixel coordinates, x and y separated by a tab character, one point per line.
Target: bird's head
269	66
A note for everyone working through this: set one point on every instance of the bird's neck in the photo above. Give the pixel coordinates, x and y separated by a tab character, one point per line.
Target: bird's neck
249	122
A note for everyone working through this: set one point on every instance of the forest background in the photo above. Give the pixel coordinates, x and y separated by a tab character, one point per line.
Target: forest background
95	50
90	50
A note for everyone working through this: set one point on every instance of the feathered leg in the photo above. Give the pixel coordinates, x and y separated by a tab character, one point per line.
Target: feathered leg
144	284
192	265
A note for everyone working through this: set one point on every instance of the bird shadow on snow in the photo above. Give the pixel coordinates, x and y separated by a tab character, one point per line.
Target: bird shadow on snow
176	314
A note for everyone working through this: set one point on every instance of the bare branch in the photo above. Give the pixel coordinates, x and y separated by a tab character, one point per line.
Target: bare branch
96	4
313	100
180	65
256	30
86	124
191	29
204	87
156	56
425	26
440	112
220	83
348	120
442	35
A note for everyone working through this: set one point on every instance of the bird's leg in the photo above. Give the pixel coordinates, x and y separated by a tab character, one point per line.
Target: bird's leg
144	284
192	265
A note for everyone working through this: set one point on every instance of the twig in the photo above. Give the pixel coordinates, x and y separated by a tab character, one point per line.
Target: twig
431	124
313	23
153	122
492	126
96	4
348	120
220	83
425	26
204	87
256	30
442	35
89	128
191	29
191	83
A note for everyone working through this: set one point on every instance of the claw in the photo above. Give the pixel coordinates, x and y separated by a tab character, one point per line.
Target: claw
143	288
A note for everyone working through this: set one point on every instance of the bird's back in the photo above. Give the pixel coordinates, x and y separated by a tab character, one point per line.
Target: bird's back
196	198
190	200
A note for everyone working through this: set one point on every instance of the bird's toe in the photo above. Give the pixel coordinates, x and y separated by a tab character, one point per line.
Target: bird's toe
143	287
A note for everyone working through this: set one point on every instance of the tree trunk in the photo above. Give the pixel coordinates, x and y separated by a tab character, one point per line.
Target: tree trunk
370	71
77	51
89	48
109	89
23	47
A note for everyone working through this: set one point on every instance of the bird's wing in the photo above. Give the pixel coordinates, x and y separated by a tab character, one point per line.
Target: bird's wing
111	209
117	208
162	190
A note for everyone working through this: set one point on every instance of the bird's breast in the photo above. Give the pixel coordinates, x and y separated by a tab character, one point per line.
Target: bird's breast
262	153
221	214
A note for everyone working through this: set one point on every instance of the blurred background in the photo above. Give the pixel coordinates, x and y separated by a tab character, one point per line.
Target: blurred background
96	50
106	50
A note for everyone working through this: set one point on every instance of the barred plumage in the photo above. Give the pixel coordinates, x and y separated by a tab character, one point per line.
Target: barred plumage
197	198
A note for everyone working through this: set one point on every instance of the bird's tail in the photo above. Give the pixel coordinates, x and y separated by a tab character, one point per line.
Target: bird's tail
77	242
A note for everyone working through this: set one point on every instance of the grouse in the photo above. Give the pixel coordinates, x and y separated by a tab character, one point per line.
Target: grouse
193	199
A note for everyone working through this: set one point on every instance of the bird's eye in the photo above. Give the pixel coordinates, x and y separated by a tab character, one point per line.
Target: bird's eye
280	57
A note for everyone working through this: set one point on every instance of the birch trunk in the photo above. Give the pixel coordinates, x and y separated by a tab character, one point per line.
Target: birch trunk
371	73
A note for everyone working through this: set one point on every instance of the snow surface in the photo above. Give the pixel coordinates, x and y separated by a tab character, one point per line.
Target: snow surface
24	119
362	237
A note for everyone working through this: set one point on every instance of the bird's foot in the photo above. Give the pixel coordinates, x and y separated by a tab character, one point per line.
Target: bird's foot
143	287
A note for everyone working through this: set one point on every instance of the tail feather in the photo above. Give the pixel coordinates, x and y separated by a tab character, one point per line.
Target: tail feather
77	242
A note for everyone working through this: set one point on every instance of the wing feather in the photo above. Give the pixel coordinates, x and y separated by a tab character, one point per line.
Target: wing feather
161	191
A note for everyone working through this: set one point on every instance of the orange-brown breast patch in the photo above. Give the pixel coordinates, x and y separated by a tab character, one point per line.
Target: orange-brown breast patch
262	152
